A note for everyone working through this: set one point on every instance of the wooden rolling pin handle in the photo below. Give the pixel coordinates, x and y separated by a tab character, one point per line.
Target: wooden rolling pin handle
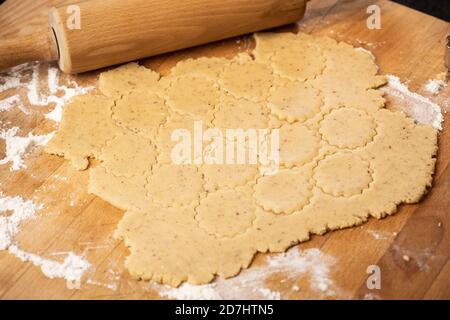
38	46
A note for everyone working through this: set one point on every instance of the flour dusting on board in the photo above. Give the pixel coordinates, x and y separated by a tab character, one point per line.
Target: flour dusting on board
71	269
35	98
58	94
15	210
251	283
19	210
434	86
17	147
12	101
420	108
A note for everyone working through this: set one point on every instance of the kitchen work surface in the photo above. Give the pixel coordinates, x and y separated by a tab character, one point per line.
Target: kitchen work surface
57	236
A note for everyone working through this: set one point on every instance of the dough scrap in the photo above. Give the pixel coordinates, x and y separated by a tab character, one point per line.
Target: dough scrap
86	128
122	192
344	157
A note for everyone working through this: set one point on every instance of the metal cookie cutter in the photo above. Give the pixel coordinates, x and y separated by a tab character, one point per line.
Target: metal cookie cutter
447	52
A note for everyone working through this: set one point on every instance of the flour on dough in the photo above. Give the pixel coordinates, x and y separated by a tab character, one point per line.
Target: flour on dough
344	157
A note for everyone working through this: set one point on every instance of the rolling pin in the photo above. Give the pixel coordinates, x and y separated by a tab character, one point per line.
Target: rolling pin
109	32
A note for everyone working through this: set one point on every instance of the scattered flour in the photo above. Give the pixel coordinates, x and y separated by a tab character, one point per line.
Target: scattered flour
72	268
9	224
8	103
17	147
35	98
250	283
371	296
13	79
269	294
379	235
420	108
188	291
433	86
111	286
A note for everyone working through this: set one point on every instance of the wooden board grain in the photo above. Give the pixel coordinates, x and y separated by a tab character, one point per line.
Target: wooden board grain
409	44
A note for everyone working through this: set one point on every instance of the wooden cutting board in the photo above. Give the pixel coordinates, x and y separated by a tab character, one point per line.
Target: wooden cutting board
409	44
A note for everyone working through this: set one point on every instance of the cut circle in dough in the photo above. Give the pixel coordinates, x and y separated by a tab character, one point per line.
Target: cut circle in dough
285	191
174	185
294	101
127	78
164	141
247	79
348	128
226	213
227	175
299	61
128	155
208	67
240	113
343	174
193	95
298	144
141	112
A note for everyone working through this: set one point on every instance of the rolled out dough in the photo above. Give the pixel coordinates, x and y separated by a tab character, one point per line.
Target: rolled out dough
344	157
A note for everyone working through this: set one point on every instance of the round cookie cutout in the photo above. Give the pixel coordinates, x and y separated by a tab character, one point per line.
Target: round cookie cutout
298	61
226	213
284	192
250	80
164	142
193	95
141	112
228	175
240	113
347	128
343	174
173	185
294	101
298	144
128	155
